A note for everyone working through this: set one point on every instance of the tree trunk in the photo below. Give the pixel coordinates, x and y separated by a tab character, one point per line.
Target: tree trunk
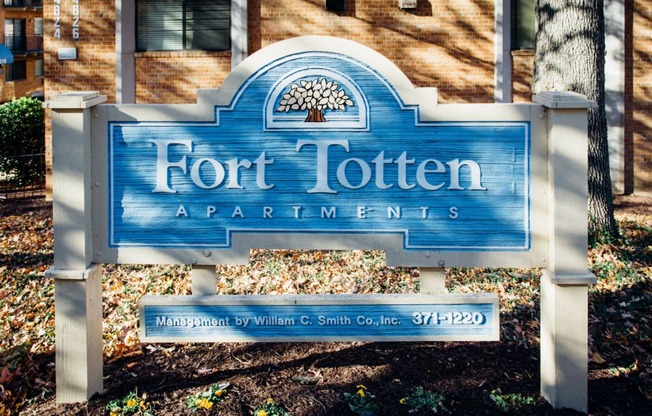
570	56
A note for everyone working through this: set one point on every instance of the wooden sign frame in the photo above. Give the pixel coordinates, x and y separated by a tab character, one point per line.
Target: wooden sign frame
84	134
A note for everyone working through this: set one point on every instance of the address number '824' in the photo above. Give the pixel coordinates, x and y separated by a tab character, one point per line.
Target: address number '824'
452	318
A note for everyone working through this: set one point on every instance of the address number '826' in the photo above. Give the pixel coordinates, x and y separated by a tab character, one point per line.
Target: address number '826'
452	318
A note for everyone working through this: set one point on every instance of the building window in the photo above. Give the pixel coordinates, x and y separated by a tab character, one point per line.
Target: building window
38	68
165	25
15	38
37	43
523	24
38	26
16	71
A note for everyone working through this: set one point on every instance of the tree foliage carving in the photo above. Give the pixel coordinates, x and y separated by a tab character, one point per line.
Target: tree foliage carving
315	96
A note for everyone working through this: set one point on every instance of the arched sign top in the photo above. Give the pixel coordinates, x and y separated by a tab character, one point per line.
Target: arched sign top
349	67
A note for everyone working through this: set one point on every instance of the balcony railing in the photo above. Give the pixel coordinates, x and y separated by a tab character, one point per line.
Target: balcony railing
23	3
18	43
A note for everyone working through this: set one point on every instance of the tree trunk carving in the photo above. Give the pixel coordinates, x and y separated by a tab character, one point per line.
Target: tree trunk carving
315	116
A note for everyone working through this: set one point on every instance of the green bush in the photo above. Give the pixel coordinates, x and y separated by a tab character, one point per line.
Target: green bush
22	134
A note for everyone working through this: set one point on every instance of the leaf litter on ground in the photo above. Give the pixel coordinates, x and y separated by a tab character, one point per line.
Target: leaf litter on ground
619	305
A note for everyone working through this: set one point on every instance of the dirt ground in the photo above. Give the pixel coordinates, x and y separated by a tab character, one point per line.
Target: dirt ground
634	205
311	378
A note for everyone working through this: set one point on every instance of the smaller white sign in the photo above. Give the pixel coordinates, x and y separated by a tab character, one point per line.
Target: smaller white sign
314	318
407	4
67	54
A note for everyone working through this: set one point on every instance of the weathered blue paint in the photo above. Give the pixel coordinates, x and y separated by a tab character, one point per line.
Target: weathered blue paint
280	193
333	322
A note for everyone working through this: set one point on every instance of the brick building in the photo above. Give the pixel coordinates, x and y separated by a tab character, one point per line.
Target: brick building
471	50
21	33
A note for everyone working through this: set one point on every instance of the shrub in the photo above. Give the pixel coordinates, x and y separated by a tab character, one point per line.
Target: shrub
22	132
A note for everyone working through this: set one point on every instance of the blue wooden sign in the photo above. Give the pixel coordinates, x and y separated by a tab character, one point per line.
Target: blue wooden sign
450	317
320	143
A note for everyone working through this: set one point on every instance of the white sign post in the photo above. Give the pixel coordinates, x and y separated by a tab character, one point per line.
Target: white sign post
78	282
367	162
564	284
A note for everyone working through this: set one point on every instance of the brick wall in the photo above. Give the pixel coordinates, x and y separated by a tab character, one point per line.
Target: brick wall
175	77
94	68
522	74
638	97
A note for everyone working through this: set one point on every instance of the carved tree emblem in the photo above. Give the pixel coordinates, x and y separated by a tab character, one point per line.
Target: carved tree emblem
315	96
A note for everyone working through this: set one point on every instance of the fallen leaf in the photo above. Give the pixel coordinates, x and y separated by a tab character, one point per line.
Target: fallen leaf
597	358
